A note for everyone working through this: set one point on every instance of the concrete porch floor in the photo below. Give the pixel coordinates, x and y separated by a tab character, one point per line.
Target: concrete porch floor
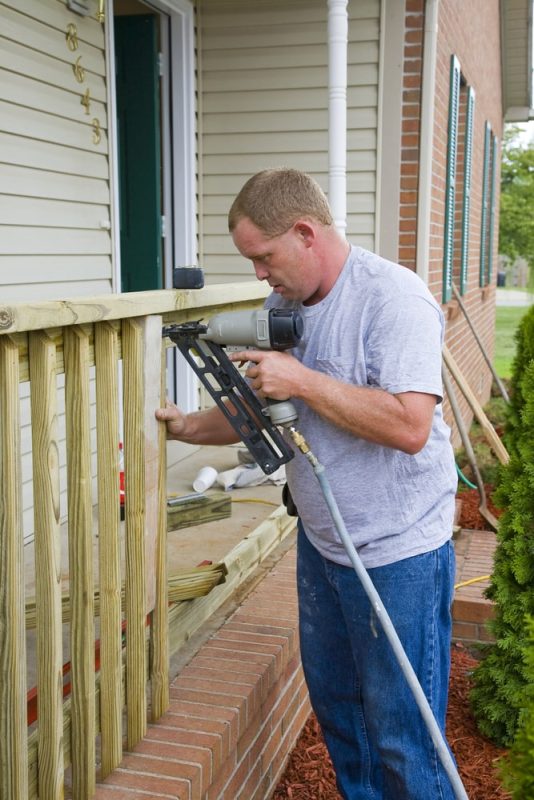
212	541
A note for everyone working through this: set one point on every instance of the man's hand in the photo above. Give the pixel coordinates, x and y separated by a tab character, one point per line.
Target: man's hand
173	418
199	427
272	373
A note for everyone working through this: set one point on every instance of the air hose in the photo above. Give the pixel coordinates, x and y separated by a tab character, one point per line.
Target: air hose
464	479
387	625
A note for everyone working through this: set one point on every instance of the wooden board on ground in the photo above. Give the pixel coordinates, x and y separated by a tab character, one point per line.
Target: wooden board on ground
196	509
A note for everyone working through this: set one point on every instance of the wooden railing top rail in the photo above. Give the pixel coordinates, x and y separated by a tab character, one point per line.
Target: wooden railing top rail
170	303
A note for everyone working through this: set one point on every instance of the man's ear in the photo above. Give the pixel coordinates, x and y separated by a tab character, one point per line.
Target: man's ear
305	231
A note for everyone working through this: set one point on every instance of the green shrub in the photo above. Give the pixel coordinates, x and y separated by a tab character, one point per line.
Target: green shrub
501	678
518	768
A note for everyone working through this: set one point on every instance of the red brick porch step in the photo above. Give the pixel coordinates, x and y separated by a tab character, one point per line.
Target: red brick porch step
471	610
236	709
239	705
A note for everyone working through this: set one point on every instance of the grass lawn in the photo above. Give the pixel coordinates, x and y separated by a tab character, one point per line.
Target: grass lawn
506	322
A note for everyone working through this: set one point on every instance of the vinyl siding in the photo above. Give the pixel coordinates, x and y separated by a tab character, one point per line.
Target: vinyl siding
54	180
263	102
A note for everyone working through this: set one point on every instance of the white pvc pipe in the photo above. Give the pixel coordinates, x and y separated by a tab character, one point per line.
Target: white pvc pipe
338	26
427	138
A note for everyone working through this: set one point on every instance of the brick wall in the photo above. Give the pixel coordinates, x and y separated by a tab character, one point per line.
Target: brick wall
471	31
236	709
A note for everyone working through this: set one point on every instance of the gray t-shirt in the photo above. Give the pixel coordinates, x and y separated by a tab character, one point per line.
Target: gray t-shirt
379	327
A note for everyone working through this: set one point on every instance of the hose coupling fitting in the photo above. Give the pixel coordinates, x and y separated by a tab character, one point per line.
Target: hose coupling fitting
299	440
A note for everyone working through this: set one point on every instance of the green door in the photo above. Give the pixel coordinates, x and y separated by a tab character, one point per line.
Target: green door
138	112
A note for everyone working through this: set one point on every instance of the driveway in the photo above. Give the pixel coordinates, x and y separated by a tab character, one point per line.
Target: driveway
513	297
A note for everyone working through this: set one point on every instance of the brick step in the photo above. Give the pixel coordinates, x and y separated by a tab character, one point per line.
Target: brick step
236	709
471	610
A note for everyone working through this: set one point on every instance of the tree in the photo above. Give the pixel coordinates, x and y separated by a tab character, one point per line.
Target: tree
516	219
518	768
501	678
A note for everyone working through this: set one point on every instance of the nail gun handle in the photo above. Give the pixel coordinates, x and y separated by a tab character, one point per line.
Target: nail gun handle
234	397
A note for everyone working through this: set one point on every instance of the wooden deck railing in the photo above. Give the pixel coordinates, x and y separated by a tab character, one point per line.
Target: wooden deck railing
86	339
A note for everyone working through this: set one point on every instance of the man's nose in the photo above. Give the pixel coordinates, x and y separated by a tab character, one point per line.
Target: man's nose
261	271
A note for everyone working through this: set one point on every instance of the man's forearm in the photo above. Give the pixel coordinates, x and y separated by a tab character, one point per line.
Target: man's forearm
401	421
209	427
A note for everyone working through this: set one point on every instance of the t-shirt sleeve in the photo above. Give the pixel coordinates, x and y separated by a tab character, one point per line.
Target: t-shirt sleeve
404	346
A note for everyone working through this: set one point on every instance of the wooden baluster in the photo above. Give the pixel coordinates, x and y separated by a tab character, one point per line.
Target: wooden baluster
159	640
13	725
45	457
141	350
107	430
80	514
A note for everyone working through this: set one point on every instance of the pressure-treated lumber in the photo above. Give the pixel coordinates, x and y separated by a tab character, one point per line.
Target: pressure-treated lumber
196	509
180	586
470	453
188	616
81	581
13	727
488	429
109	551
134	474
48	562
159	628
182	306
141	349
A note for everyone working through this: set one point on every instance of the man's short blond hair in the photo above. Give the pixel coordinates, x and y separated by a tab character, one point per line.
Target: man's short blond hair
275	198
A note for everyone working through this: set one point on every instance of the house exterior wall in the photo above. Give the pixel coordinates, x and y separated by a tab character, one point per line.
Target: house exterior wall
472	33
55	201
475	38
54	170
263	102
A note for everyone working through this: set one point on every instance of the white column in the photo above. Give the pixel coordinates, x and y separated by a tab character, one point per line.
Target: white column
337	110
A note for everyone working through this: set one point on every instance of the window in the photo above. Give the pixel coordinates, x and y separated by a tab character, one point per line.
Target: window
458	181
487	225
450	177
467	108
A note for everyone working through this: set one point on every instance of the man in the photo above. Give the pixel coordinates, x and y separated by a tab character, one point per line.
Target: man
366	382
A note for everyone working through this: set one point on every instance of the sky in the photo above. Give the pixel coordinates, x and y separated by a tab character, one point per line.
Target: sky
527	129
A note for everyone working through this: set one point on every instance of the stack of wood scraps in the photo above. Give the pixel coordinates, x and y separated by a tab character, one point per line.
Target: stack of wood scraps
183	585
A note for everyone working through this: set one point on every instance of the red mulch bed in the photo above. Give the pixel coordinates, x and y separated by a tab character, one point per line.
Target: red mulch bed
470	516
309	774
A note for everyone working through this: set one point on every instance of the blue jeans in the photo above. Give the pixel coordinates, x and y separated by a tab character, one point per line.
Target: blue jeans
374	731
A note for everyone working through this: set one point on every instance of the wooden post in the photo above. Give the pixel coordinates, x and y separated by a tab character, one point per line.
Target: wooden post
13	725
160	616
80	514
42	358
141	349
107	431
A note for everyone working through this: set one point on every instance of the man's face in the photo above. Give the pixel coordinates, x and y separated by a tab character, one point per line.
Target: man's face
286	262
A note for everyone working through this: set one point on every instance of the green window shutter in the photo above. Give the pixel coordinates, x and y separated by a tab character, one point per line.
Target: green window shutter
450	189
484	219
466	205
494	154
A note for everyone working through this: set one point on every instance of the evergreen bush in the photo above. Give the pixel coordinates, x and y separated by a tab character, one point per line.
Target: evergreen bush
517	769
501	678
